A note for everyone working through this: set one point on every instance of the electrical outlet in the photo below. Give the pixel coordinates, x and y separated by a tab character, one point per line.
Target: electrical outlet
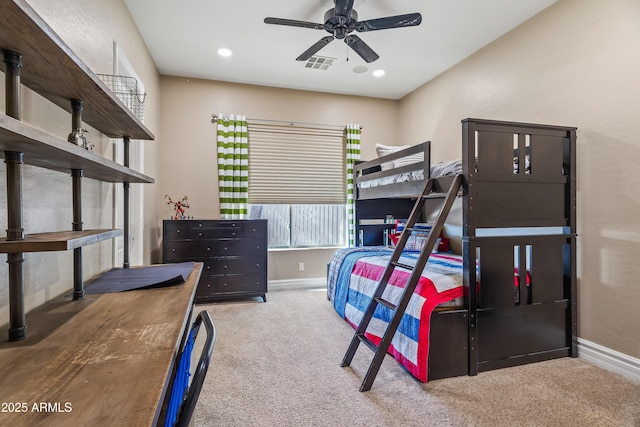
301	266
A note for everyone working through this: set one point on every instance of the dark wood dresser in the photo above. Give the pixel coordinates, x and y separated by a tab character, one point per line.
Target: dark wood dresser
234	253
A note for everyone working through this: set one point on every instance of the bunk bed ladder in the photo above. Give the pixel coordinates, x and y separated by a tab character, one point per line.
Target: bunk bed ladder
381	349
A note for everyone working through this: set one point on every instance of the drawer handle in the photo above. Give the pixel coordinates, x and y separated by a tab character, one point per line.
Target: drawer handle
200	225
208	249
225	267
208	267
173	250
257	265
225	248
178	230
200	234
225	285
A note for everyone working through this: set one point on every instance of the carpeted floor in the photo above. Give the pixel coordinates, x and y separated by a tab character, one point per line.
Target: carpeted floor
278	364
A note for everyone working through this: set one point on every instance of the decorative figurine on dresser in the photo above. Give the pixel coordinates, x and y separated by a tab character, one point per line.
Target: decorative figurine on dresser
179	206
234	253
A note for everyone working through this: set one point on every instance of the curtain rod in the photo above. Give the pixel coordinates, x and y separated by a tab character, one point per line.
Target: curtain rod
214	119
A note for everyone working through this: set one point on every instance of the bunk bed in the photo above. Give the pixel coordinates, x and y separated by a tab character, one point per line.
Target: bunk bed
508	295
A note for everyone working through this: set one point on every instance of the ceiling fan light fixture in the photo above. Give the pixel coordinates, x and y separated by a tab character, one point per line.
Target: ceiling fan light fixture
224	52
341	21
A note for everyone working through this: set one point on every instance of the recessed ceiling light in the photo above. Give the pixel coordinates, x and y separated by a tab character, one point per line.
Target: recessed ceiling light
360	69
225	52
379	72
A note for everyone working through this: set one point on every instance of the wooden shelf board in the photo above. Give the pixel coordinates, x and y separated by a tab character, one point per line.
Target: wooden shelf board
57	240
47	151
55	72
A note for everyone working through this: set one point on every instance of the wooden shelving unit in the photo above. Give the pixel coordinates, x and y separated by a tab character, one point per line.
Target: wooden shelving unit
36	57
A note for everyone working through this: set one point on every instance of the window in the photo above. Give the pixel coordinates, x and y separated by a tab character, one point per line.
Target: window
300	226
297	182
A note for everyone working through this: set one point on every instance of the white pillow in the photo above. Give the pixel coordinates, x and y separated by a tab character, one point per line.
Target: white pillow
383	150
403	161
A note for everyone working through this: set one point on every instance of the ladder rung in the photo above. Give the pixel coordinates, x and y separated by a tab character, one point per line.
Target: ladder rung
386	303
399	264
366	341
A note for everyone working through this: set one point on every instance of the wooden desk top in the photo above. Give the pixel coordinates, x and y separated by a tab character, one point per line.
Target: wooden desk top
101	361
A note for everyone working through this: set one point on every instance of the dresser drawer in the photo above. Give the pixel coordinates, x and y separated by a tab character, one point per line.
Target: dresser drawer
234	265
176	230
195	230
211	248
228	229
238	247
253	284
183	251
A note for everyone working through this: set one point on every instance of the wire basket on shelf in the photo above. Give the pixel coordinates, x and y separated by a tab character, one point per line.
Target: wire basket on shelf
126	90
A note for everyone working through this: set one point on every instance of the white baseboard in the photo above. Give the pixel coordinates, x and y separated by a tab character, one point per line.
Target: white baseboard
610	360
311	283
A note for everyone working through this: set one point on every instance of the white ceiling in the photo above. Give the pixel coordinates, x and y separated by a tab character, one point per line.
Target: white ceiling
183	38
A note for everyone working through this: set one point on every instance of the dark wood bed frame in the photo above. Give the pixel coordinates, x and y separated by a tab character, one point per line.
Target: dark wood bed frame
371	202
505	321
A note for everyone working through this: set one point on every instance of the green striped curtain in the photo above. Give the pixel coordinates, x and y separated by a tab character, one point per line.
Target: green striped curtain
353	154
233	166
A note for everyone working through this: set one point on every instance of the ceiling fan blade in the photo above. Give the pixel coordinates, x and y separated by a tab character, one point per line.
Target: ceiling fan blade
294	23
398	21
315	48
361	48
343	7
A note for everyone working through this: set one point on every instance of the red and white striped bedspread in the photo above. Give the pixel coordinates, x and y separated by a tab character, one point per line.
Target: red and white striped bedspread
352	284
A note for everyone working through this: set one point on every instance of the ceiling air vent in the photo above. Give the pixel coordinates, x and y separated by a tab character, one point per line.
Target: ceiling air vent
319	62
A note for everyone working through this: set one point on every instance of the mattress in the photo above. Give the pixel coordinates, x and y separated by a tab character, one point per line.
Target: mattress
354	274
453	167
417	175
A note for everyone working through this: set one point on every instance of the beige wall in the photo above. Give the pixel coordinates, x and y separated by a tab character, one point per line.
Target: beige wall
189	158
89	28
575	64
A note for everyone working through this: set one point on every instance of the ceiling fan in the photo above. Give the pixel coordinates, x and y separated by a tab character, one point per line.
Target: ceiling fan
341	21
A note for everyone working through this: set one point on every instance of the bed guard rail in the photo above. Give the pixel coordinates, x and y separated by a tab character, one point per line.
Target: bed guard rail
361	169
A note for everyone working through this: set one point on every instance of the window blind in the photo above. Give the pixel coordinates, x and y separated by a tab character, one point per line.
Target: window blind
292	164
